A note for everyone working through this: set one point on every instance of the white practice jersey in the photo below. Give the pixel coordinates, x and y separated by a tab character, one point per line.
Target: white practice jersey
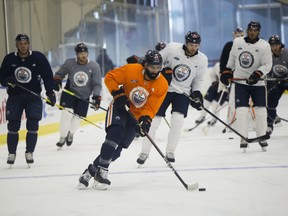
188	72
245	58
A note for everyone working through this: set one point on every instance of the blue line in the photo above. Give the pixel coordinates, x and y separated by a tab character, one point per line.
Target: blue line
154	171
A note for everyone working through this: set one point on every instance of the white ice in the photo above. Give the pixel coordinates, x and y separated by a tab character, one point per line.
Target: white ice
237	184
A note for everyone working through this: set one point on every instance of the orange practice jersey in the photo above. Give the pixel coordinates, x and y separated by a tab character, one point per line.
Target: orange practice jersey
145	97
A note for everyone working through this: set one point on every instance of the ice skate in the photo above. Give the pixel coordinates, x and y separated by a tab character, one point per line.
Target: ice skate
11	159
263	145
200	120
69	139
142	158
29	158
243	146
84	180
212	122
101	181
269	130
61	143
170	157
277	120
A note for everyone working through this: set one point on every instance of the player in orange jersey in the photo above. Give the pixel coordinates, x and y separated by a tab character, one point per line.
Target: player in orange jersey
143	89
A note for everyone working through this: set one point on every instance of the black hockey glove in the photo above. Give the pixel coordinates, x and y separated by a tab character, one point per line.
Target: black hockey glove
254	77
132	59
225	76
10	81
120	99
197	100
57	83
96	100
143	125
167	73
51	97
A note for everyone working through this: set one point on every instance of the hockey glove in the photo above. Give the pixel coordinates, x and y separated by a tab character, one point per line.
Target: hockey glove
132	59
167	73
120	99
51	98
254	77
143	125
10	81
96	100
225	77
197	100
58	83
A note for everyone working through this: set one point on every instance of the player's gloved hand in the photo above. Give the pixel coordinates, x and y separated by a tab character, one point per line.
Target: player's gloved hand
197	100
11	81
120	99
51	97
254	77
57	83
143	125
225	76
96	100
160	46
132	59
215	83
167	73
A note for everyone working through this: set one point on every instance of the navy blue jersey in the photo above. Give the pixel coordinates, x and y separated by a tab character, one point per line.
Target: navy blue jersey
28	72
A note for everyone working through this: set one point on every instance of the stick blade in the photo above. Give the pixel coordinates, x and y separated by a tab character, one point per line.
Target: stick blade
258	139
192	187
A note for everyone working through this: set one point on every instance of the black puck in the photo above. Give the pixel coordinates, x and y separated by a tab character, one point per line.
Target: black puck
202	189
231	138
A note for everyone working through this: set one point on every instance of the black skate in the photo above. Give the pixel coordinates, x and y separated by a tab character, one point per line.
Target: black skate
200	120
142	158
84	180
170	157
61	142
29	158
101	181
243	146
69	139
11	159
263	145
212	122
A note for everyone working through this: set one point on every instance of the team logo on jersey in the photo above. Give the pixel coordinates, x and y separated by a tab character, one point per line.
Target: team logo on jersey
138	96
246	59
80	78
181	72
280	70
23	74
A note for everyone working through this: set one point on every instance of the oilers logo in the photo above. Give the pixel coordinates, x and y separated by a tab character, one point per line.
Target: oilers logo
80	78
181	72
23	74
280	71
246	59
138	96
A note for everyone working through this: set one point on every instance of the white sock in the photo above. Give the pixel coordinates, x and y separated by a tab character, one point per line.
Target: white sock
260	120
242	120
65	122
75	123
177	122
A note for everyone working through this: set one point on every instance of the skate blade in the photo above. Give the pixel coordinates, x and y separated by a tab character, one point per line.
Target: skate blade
205	130
264	149
244	150
99	186
80	186
29	165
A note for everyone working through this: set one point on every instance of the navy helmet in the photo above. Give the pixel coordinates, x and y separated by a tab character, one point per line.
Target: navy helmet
193	37
81	47
275	39
153	57
22	37
254	25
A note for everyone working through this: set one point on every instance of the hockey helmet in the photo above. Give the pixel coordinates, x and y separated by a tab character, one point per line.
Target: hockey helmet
153	57
22	37
160	46
275	39
81	47
193	37
254	25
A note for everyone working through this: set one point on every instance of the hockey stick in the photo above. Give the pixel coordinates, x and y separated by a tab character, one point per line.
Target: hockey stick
168	124
188	187
58	105
283	119
87	101
265	79
232	122
256	139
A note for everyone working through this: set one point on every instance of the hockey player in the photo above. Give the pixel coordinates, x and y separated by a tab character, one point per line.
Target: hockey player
239	32
143	90
26	68
84	79
216	96
189	66
250	59
279	70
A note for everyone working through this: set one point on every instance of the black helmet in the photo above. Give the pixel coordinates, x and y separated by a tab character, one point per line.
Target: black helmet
275	39
254	25
160	46
239	30
153	57
21	37
81	47
193	37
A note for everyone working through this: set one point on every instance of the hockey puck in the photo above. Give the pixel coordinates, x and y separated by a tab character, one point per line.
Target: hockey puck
202	189
231	138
